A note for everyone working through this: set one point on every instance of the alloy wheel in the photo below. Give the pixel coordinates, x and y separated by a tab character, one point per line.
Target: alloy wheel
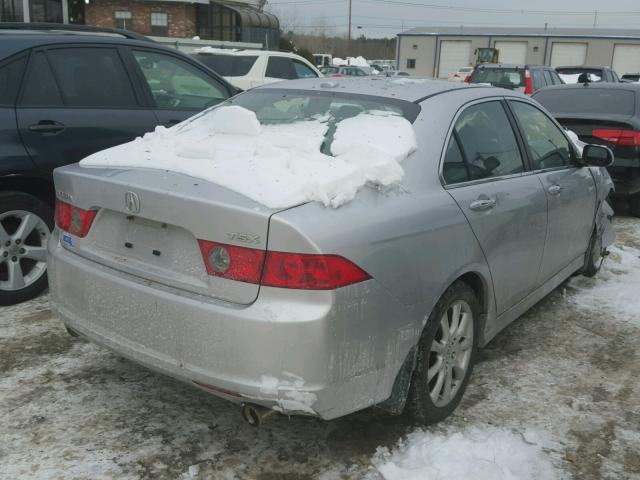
450	353
23	249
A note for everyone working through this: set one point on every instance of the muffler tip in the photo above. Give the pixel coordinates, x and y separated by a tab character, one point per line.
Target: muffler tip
255	415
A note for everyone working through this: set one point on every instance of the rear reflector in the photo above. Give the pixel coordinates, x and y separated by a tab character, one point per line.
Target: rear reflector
310	272
73	219
279	269
528	82
623	138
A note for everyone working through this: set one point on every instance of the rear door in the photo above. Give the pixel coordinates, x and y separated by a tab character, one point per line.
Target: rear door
76	101
507	210
13	156
570	189
175	87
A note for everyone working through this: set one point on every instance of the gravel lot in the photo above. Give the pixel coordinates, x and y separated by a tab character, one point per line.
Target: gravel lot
567	369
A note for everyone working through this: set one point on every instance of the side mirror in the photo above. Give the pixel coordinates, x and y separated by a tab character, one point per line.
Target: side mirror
597	156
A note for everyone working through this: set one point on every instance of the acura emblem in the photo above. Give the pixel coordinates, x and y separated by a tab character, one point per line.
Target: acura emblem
132	202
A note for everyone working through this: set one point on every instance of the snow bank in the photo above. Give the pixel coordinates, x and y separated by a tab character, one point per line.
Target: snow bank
354	61
279	166
486	453
614	290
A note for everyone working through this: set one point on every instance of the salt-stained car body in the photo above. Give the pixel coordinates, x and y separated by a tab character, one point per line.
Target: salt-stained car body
382	301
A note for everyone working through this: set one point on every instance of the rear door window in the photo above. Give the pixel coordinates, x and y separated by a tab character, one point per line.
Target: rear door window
176	84
538	79
40	88
92	77
548	78
10	79
488	142
548	147
500	77
454	168
280	67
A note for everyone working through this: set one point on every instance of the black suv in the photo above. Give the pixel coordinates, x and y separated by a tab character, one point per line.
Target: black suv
524	78
63	96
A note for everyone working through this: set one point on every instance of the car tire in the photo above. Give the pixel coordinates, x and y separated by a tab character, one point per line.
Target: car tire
634	204
593	262
429	401
26	223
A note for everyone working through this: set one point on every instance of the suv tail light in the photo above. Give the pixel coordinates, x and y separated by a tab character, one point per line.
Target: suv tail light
73	219
622	138
528	83
467	79
279	269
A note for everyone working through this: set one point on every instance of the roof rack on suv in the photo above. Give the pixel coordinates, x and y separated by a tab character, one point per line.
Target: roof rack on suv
71	28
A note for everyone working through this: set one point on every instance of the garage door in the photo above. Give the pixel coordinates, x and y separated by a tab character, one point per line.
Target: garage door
564	54
626	59
512	52
453	55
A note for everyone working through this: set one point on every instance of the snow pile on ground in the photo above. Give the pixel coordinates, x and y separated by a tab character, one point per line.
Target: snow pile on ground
353	61
409	81
614	291
481	452
279	166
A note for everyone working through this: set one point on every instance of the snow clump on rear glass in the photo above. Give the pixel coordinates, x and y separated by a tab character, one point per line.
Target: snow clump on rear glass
278	165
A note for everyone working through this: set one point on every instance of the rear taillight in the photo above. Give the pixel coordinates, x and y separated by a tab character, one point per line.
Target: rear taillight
467	79
528	83
73	219
622	138
279	269
310	272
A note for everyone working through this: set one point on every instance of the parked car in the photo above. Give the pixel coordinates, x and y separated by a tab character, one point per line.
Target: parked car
396	73
64	96
587	74
323	311
522	78
631	77
461	75
334	71
604	114
251	68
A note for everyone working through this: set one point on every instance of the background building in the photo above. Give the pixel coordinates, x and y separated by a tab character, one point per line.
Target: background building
440	51
232	21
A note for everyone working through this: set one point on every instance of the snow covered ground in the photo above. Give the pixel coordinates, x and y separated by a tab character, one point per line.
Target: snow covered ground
554	396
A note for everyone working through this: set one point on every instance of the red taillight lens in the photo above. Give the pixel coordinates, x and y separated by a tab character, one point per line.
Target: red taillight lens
73	219
310	272
284	270
623	138
235	263
528	84
467	79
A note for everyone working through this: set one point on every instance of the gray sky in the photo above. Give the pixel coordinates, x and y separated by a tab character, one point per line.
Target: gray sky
380	18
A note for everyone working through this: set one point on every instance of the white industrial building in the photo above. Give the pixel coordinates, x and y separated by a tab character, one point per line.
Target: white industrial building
439	51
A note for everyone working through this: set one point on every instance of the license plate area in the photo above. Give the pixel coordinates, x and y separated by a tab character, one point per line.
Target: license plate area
146	239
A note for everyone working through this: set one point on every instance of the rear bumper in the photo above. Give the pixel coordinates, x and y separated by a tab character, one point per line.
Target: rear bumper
322	353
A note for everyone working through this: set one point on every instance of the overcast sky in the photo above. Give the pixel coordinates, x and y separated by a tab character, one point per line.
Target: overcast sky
379	18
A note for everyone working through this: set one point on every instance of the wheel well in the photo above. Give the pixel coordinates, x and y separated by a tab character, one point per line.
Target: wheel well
35	186
477	284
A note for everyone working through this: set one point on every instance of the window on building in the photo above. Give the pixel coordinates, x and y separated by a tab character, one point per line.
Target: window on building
159	24
123	20
411	63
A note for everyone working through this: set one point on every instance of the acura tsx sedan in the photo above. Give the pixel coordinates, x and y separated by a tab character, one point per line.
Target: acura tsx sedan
322	246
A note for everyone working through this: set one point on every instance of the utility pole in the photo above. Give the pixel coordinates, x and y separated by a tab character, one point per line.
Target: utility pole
595	19
349	53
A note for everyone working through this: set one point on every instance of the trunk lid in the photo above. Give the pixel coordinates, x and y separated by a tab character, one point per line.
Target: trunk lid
149	223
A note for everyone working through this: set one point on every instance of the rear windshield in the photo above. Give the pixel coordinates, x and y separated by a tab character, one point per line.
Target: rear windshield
228	65
499	77
580	75
588	100
278	106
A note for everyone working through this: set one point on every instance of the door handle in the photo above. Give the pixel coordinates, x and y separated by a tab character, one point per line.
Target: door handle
47	126
554	189
482	204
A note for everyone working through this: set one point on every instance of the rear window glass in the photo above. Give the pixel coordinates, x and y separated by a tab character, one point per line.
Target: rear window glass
278	106
580	75
499	77
588	100
228	65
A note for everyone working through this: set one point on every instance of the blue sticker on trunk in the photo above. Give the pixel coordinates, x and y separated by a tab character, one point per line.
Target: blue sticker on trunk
66	238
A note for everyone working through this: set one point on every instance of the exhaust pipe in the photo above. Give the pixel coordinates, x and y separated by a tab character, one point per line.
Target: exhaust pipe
255	415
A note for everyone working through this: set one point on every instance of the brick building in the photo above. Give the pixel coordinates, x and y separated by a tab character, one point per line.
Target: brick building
231	21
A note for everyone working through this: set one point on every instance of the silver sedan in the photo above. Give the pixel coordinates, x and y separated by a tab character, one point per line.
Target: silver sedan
322	311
